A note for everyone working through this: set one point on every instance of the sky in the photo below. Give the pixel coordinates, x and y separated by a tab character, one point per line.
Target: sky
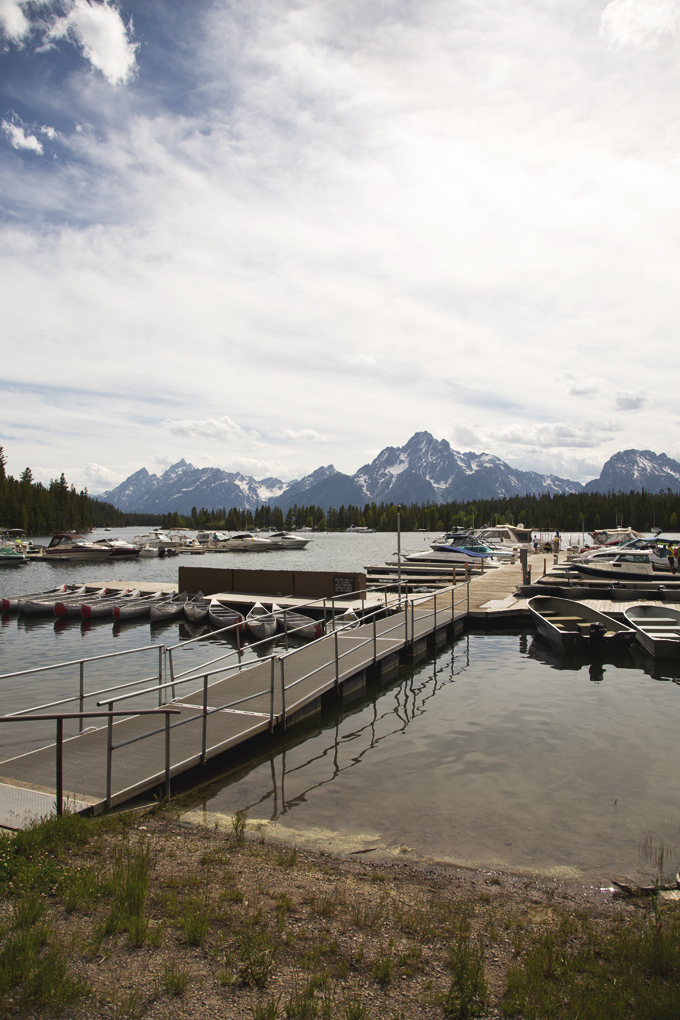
266	235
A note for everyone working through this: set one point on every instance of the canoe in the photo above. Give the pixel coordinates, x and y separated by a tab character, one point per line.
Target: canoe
94	609
346	621
261	623
297	624
196	609
15	603
132	608
224	616
71	606
169	608
657	629
576	627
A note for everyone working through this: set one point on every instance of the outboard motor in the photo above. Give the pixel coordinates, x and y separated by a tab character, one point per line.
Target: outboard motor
597	631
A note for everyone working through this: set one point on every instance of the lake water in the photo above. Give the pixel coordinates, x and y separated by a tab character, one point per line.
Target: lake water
496	755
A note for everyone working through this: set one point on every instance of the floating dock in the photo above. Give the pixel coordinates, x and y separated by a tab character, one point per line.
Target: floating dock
220	704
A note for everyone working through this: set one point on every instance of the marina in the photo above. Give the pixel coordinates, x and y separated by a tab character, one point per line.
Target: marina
233	698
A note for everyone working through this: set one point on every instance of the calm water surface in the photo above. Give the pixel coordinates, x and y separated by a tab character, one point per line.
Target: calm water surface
496	755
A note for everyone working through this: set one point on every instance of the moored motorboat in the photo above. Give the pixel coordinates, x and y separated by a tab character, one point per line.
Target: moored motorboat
133	608
285	540
297	624
574	626
168	608
260	622
11	553
633	565
196	609
70	546
470	551
222	616
657	628
354	529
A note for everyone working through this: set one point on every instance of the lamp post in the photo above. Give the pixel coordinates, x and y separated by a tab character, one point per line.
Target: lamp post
399	551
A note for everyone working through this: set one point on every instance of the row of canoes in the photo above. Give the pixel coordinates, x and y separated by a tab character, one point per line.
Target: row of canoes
261	623
575	627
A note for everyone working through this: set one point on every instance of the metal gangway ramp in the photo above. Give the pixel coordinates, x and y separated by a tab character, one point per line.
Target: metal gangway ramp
205	710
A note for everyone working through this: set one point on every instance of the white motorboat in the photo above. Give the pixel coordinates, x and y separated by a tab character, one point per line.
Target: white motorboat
301	626
470	551
285	540
354	529
608	553
260	622
575	627
506	536
249	543
614	536
657	628
634	565
212	539
68	546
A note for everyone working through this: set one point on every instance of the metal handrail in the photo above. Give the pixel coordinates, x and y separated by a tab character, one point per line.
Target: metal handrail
59	743
77	662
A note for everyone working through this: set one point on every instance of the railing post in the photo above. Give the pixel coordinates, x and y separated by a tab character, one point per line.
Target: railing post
167	755
375	640
405	620
413	620
204	742
82	694
324	615
285	629
468	597
283	695
160	673
271	698
109	753
172	673
337	662
60	767
435	615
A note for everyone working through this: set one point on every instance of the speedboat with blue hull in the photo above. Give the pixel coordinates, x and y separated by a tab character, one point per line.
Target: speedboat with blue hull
472	552
575	627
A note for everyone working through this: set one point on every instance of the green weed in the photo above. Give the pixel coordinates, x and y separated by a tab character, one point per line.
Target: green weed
287	858
383	965
195	920
468	992
268	1010
175	978
238	824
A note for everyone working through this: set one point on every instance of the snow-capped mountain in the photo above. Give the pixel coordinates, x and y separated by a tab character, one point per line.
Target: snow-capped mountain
424	470
637	470
428	469
184	486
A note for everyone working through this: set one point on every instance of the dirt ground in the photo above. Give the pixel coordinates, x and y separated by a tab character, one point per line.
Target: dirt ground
237	927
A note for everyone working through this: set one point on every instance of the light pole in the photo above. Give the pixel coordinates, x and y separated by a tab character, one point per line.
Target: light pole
399	551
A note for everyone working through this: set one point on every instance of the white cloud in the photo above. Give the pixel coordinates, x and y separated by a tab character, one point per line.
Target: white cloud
49	131
98	29
222	429
580	385
99	478
627	401
639	22
13	21
19	138
304	435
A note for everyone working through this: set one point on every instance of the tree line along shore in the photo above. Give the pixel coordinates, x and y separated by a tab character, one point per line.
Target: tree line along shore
45	509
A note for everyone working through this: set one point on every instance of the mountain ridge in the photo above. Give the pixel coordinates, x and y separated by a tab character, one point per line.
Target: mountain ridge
424	470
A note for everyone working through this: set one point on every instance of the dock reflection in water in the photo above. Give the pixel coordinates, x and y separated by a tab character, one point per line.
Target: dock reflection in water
489	757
